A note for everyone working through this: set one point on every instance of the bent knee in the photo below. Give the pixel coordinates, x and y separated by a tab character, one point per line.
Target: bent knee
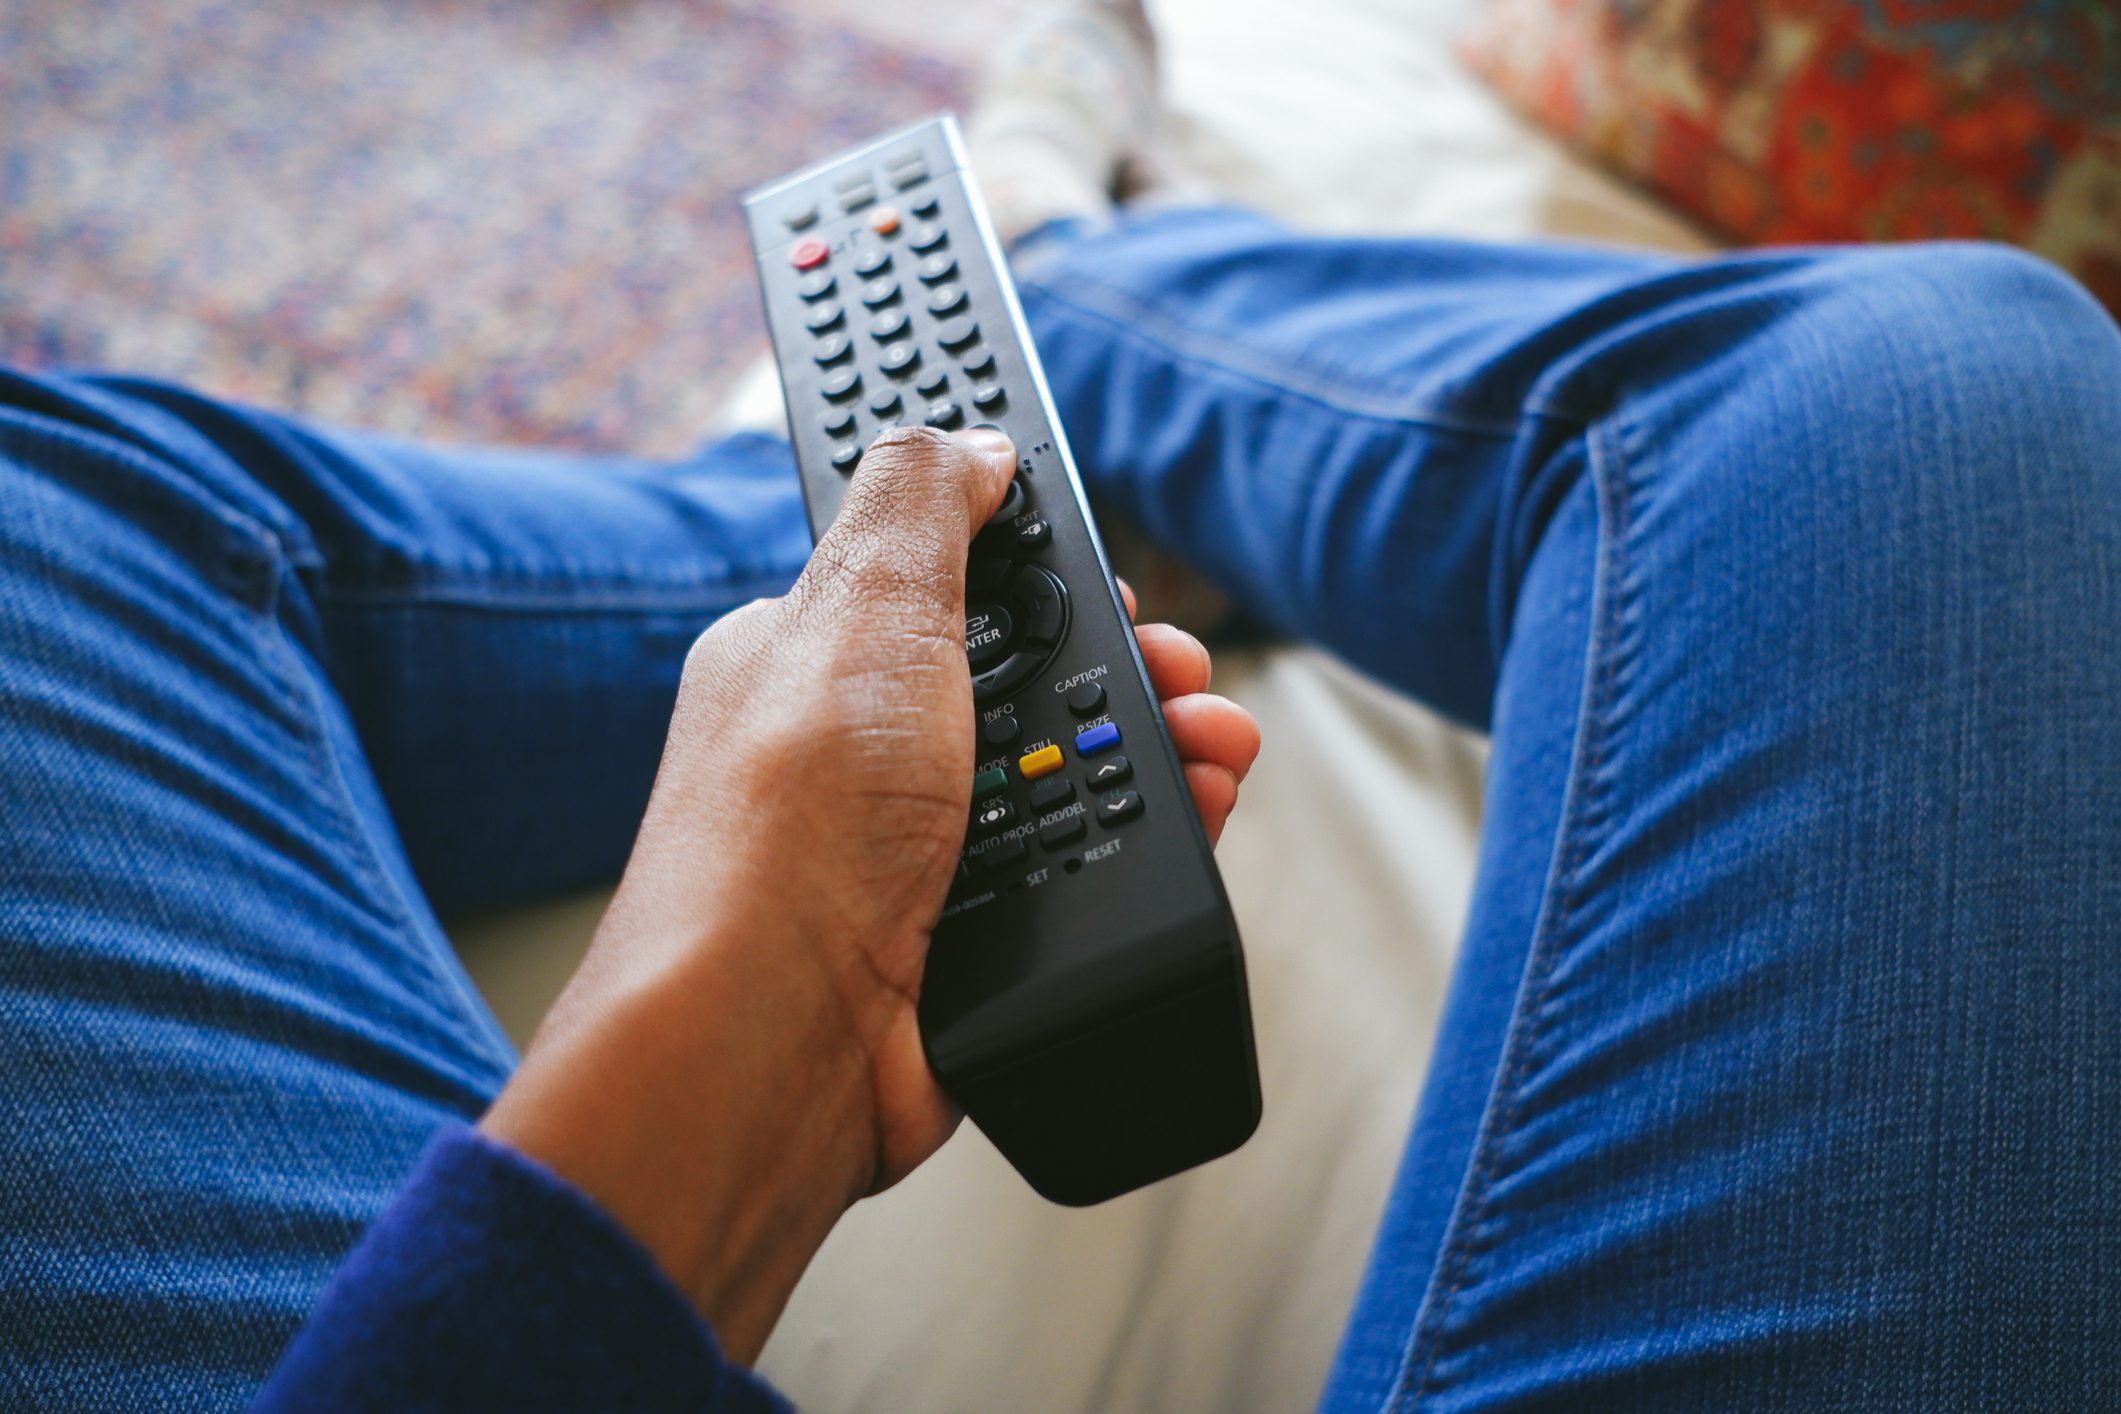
1883	501
1994	341
1939	389
1926	437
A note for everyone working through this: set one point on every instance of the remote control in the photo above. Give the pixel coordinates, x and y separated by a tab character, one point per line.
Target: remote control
1085	997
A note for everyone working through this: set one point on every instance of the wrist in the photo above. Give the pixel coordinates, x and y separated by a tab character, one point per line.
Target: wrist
715	1097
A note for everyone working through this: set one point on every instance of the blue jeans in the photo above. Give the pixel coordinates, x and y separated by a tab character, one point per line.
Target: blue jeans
1782	1067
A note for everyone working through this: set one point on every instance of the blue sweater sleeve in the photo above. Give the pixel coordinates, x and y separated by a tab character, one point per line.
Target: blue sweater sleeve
491	1283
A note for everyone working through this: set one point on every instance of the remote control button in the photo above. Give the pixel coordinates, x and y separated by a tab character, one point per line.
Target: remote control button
1052	791
1117	809
989	781
986	579
898	358
839	423
957	333
822	317
797	217
946	299
994	814
907	170
1033	535
1042	605
874	261
1001	732
884	220
936	269
1002	854
883	400
927	206
927	238
945	414
816	285
987	630
888	325
1086	699
1061	833
854	198
980	364
842	385
831	349
1013	501
1042	762
845	458
933	382
1102	737
878	292
1112	771
988	396
1013	672
810	254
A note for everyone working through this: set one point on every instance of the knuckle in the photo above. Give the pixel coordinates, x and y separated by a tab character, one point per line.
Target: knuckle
832	563
912	442
895	554
843	576
856	572
729	640
905	462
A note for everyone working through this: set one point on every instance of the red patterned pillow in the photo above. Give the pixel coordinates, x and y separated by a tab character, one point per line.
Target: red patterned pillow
1828	120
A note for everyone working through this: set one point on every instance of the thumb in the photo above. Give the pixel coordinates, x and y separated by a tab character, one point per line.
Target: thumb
908	518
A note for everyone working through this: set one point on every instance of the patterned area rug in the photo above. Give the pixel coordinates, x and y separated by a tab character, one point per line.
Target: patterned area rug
488	220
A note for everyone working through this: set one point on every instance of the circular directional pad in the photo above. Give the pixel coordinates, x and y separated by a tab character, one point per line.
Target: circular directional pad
1016	615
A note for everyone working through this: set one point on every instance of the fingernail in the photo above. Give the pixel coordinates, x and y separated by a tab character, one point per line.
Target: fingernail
986	437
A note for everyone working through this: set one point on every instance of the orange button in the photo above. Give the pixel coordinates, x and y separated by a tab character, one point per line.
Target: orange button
1042	762
808	255
884	220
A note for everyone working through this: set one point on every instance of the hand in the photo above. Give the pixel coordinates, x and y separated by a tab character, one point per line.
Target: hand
738	1059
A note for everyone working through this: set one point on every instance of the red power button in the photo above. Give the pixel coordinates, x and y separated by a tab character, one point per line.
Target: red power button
808	255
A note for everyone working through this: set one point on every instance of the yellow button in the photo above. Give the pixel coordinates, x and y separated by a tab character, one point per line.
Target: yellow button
884	220
1042	762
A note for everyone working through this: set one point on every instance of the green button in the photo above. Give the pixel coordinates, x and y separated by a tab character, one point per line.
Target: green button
989	781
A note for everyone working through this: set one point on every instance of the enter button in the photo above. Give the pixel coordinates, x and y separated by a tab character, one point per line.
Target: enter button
987	630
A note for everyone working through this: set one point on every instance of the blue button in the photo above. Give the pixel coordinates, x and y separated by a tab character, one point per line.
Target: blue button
1102	737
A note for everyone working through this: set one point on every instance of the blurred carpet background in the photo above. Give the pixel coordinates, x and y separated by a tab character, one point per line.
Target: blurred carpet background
482	220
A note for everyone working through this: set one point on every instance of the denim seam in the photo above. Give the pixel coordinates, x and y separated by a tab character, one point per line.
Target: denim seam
1136	321
1610	660
302	689
549	595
